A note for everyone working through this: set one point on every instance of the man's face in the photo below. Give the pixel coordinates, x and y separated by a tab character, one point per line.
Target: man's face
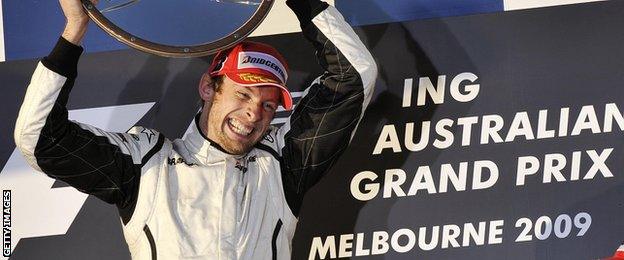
239	115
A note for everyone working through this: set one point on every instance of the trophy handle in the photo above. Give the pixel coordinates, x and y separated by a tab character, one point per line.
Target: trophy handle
188	51
119	6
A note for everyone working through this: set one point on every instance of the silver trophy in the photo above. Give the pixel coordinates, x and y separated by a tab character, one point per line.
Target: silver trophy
179	28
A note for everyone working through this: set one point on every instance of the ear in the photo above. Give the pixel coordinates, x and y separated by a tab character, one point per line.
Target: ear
206	88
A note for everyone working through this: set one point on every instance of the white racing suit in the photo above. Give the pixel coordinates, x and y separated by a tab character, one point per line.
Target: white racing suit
187	199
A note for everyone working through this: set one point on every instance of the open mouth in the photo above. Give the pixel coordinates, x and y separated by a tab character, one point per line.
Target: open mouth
239	128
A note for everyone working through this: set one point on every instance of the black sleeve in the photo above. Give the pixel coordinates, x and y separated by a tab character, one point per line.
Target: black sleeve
106	165
325	119
305	10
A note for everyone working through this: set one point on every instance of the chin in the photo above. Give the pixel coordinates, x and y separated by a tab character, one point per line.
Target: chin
237	149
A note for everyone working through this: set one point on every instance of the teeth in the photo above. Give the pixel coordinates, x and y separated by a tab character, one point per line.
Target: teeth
239	128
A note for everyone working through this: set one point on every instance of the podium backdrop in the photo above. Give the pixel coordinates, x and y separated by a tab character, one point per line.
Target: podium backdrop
492	134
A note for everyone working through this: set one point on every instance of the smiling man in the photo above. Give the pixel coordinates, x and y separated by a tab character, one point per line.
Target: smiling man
233	187
250	82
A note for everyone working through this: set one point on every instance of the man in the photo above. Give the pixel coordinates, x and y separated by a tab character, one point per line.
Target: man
232	189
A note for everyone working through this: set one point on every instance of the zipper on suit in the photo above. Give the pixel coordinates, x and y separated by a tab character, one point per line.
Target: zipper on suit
276	231
150	239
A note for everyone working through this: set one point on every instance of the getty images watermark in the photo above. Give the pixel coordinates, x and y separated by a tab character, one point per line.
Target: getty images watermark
6	223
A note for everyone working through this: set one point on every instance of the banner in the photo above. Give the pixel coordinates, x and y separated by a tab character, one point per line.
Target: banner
491	137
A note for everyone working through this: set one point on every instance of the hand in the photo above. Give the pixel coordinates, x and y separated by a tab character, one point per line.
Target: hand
76	20
306	9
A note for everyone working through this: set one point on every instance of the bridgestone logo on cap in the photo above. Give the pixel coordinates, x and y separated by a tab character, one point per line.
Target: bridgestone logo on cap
263	61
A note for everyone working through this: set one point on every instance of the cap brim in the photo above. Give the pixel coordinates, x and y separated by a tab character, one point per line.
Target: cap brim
286	100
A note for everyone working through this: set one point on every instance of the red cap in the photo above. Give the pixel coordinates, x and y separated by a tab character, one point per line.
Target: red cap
619	254
253	64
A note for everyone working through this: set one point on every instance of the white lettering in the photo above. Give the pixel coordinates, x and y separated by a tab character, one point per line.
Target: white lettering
442	128
612	112
472	90
411	240
477	182
587	119
520	126
388	139
542	132
370	189
426	86
345	245
424	137
491	131
394	185
322	248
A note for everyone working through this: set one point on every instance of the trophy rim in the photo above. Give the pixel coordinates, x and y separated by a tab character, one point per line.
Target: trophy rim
179	51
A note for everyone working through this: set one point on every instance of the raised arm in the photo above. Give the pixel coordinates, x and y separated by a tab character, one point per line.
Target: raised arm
107	165
76	20
325	119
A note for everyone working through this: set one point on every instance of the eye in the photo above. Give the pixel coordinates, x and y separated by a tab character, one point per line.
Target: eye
242	95
270	106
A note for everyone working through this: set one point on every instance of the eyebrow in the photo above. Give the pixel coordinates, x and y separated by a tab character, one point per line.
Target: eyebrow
246	90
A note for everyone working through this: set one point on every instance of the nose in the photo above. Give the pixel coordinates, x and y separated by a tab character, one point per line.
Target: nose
254	112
